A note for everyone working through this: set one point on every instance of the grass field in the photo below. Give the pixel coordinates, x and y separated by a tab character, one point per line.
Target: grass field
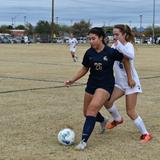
34	106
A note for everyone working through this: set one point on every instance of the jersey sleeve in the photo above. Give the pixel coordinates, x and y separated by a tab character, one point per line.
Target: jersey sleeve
76	41
117	56
85	61
113	46
127	50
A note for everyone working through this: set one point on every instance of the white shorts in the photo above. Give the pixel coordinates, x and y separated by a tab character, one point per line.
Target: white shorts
72	49
128	90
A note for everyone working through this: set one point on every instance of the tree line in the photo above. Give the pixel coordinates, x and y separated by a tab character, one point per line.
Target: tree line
79	29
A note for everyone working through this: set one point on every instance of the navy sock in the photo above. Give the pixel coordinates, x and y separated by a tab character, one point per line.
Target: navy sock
99	117
88	127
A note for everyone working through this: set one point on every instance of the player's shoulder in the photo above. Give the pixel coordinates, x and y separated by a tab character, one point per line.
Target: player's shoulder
130	47
90	50
109	50
129	44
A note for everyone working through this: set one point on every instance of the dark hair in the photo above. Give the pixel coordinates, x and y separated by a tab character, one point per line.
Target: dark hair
99	32
125	29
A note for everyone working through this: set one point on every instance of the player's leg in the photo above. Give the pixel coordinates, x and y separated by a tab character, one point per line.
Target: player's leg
87	99
73	56
112	109
99	97
99	118
102	120
131	101
76	57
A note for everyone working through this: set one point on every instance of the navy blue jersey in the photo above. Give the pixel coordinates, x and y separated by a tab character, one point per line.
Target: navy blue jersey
101	66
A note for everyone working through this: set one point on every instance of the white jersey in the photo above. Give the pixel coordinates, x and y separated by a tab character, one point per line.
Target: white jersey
119	70
72	44
25	39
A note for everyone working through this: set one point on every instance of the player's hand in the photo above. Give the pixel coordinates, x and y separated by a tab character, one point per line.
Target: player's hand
115	42
131	83
68	83
121	38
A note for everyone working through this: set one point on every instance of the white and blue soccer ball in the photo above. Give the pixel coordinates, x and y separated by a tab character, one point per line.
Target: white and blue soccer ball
66	136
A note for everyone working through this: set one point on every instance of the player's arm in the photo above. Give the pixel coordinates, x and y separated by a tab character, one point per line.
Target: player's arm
79	75
127	67
67	44
127	55
129	52
76	43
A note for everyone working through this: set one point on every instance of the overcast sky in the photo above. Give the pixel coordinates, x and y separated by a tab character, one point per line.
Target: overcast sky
99	12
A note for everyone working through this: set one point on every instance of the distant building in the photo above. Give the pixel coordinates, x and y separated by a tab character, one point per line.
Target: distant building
4	34
18	32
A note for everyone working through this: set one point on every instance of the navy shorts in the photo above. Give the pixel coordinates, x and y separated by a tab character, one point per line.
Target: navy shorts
91	89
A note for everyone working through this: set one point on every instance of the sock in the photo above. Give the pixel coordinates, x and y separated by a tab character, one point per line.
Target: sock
99	117
88	127
114	112
140	125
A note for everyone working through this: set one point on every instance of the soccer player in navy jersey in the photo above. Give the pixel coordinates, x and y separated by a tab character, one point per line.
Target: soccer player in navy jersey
99	60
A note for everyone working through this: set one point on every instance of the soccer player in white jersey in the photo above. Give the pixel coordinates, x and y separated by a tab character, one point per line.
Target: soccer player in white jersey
72	47
124	40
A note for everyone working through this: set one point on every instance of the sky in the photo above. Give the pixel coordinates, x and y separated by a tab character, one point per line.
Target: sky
98	12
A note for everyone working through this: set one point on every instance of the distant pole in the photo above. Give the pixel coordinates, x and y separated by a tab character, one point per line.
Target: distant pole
12	22
71	22
140	28
153	33
57	18
130	24
25	20
52	24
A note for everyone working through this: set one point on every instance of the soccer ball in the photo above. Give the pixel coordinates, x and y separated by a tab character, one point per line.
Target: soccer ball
66	136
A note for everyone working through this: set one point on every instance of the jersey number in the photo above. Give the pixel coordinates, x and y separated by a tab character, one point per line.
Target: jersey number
98	66
120	65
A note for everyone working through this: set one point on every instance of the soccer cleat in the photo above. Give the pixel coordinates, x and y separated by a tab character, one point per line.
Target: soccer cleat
81	146
145	138
103	126
114	123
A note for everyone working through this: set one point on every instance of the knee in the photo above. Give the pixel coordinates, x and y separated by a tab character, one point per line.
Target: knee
84	113
108	104
131	114
92	111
